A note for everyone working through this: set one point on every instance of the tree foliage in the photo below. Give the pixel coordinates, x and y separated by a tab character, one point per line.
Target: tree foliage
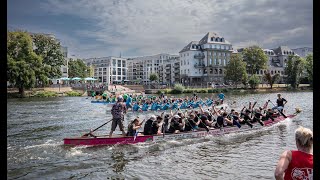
50	51
254	81
153	77
255	58
24	66
309	68
271	79
236	69
77	68
294	70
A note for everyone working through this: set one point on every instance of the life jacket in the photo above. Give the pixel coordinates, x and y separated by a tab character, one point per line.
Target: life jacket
147	130
131	132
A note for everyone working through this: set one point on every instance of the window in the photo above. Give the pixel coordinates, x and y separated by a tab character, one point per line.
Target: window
210	61
114	71
224	62
215	61
210	46
188	62
64	70
219	54
185	71
222	47
210	52
119	71
215	46
188	71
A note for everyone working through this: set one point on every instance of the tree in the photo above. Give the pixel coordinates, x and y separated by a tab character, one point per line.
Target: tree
153	77
77	68
23	65
271	79
254	81
50	50
255	58
294	70
236	69
309	68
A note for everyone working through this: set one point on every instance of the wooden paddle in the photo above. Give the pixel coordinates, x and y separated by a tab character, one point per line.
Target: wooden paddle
90	133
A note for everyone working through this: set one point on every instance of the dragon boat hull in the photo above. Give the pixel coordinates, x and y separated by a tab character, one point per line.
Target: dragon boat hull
118	139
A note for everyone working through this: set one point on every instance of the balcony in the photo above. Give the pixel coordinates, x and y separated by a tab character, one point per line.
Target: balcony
199	56
199	65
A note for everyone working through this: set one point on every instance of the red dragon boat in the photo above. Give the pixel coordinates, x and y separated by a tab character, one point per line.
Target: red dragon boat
119	139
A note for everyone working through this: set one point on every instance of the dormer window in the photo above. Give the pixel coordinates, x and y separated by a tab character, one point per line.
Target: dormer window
217	39
212	38
222	39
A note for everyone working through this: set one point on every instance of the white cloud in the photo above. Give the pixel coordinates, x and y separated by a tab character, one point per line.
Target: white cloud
152	26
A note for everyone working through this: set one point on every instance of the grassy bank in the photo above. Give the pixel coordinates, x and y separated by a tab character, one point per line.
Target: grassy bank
44	94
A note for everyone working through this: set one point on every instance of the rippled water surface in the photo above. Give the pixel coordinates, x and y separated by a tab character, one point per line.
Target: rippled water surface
36	128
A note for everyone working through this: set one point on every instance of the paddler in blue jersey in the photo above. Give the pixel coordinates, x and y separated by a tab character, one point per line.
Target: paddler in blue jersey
221	97
174	105
128	102
166	106
145	107
136	107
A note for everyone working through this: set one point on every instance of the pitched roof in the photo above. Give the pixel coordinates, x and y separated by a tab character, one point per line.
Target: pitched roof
209	35
188	47
282	49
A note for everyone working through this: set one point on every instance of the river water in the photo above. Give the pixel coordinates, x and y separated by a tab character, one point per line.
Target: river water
36	128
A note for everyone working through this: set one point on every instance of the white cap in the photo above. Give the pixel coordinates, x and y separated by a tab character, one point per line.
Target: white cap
120	97
176	116
153	117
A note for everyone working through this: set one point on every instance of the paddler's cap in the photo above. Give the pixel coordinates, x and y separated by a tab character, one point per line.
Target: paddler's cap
207	111
120	98
176	116
153	117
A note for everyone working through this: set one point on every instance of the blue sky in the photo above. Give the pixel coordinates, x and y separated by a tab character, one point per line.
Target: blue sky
98	28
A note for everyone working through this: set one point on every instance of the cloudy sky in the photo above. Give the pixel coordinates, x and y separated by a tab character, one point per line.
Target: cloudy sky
98	28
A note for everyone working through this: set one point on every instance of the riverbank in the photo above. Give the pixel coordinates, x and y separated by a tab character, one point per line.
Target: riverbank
261	89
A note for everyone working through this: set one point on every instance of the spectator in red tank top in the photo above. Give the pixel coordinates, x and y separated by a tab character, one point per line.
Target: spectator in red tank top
297	164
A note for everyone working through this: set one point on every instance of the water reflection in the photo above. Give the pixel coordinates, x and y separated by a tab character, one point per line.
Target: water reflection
120	161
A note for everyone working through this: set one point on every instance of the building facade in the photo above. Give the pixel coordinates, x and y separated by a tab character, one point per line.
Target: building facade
204	61
303	52
109	70
169	71
277	61
140	68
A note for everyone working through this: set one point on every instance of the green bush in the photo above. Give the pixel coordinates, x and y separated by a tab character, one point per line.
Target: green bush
178	88
254	81
46	94
73	93
188	91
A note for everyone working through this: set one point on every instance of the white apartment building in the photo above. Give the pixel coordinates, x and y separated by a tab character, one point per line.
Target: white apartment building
140	68
303	52
169	71
204	61
109	70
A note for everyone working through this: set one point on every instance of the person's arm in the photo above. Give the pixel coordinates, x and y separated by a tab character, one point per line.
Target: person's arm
285	101
282	165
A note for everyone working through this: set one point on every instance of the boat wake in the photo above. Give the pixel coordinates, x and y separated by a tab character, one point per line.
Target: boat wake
48	143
